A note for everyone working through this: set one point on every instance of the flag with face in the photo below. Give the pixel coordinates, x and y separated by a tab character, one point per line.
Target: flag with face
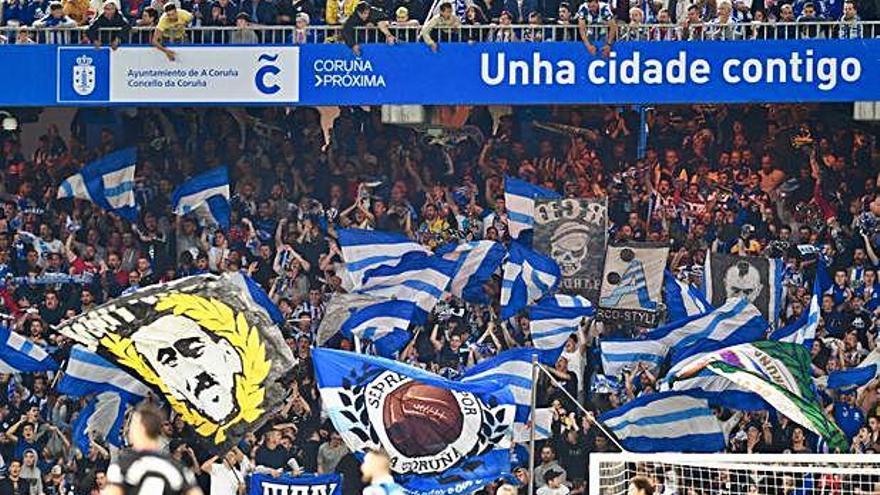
203	343
757	279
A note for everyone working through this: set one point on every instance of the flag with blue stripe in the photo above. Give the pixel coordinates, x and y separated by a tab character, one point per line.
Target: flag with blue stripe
514	369
527	277
363	250
551	323
87	373
803	330
255	297
519	200
416	278
851	379
437	432
734	317
101	420
682	299
206	194
385	324
666	422
108	182
20	355
476	262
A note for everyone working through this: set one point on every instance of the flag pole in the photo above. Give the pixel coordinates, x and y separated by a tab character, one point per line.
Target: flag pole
588	414
533	420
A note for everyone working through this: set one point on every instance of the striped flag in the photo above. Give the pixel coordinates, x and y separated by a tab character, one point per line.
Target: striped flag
101	420
363	250
527	277
108	182
515	368
416	278
88	373
206	194
803	330
853	378
736	316
682	299
385	324
519	200
550	323
20	355
476	262
666	422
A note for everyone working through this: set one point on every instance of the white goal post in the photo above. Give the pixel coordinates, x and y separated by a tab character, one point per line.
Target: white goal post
737	474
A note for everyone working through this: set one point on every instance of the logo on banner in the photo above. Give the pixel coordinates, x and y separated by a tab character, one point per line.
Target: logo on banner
84	76
267	69
424	428
632	283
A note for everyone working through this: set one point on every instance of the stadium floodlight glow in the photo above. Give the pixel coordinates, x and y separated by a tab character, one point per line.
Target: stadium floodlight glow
8	122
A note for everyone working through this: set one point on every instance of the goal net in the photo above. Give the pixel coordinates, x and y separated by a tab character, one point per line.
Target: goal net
737	474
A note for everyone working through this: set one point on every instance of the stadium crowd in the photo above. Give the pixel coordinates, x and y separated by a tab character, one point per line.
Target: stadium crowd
706	177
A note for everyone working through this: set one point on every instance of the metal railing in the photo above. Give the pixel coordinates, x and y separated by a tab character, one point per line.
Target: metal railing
286	35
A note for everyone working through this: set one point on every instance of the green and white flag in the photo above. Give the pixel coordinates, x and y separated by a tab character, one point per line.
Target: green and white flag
778	372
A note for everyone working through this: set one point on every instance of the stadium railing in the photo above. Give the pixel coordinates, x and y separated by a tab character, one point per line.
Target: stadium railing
285	35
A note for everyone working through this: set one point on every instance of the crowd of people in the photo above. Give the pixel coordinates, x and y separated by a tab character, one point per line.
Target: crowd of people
110	22
722	178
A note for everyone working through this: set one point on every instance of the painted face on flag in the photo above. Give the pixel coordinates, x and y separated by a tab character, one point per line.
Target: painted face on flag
743	280
196	368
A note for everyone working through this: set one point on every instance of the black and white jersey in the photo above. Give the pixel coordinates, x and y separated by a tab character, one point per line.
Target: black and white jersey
149	473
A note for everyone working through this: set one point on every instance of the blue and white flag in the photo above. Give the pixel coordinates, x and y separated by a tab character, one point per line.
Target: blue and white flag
416	278
441	435
366	249
20	355
550	324
108	182
101	420
88	373
206	194
682	299
514	367
519	200
265	484
385	324
803	330
736	316
527	277
476	262
758	279
666	422
851	379
255	297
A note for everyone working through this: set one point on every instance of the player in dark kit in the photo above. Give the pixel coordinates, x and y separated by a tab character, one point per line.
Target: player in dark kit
143	470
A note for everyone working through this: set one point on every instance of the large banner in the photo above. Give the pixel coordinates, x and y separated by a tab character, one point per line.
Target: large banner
573	232
632	282
485	73
757	279
264	484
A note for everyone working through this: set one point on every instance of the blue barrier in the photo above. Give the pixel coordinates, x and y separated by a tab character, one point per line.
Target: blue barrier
481	73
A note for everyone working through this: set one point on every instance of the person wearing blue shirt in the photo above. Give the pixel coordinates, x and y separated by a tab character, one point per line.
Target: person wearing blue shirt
56	19
847	414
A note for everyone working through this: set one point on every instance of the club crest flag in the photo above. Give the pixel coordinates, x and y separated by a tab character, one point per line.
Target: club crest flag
632	284
573	232
442	436
203	344
755	278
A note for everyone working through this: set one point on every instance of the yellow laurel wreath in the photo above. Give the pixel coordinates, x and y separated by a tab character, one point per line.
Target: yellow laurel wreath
218	318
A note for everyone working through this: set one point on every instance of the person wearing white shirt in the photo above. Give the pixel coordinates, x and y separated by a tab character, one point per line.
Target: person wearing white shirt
228	474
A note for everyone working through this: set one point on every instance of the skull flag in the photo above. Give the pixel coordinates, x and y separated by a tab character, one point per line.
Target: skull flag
573	232
203	343
443	437
757	279
631	284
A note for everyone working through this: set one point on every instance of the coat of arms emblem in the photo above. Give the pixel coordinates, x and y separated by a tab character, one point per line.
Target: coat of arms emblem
84	76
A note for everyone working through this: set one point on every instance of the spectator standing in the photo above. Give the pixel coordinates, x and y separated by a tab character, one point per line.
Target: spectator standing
445	24
171	28
58	24
301	31
244	34
330	453
850	23
365	16
109	28
591	14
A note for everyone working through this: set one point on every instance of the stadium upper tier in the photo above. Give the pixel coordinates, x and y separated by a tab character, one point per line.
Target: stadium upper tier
501	33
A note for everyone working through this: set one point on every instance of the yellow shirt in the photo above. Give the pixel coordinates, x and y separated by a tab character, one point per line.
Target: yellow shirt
174	30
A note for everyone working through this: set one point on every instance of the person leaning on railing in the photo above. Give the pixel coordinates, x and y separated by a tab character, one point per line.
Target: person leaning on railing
171	27
365	16
56	21
591	13
109	28
445	21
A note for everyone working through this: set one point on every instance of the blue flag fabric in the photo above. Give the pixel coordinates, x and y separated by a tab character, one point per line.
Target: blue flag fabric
803	330
519	200
853	378
476	262
363	250
551	322
108	182
206	194
682	299
101	420
416	278
20	355
527	277
385	324
441	435
326	484
88	373
666	422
